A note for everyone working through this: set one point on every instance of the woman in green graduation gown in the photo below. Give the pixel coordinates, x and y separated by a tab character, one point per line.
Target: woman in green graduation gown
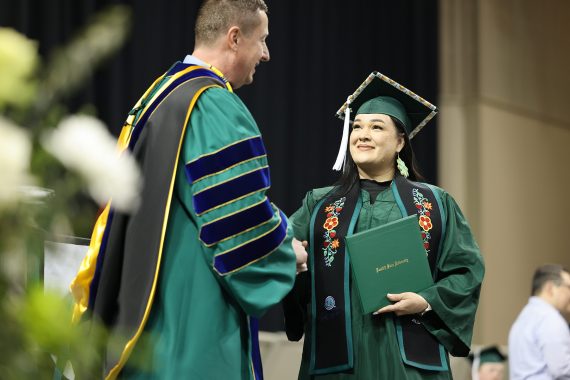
413	336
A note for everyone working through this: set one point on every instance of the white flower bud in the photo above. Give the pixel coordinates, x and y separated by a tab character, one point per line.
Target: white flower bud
83	144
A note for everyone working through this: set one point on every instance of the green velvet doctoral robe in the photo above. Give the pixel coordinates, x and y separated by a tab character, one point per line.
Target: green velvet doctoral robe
222	263
453	297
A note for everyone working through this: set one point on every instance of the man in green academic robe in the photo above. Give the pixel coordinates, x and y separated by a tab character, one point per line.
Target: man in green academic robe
181	282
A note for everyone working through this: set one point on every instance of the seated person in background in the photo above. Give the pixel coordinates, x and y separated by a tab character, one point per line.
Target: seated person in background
539	340
488	364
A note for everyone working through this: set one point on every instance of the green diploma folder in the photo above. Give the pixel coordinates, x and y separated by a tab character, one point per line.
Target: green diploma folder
388	259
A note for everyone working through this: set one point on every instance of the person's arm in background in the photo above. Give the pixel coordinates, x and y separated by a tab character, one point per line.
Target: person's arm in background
554	339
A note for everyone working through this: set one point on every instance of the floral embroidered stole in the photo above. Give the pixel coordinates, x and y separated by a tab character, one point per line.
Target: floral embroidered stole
331	327
418	347
332	219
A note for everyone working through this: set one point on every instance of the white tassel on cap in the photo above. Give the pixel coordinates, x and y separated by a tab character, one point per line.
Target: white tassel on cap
475	365
341	157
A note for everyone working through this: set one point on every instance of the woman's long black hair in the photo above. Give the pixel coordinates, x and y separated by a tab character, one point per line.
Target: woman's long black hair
350	176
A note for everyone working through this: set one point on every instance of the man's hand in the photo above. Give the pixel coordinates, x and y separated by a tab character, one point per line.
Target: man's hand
405	303
301	254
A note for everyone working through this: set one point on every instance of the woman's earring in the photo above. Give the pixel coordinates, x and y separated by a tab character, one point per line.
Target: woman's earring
402	168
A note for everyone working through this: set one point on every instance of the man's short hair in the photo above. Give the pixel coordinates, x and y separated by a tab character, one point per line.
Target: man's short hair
215	17
546	273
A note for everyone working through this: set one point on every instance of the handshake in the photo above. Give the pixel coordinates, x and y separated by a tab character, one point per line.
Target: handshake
301	254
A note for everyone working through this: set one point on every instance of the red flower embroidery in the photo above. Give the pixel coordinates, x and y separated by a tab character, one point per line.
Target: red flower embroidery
427	213
418	206
423	235
332	212
331	223
425	223
426	245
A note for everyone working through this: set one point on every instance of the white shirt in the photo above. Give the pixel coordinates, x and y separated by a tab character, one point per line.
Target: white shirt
191	60
539	343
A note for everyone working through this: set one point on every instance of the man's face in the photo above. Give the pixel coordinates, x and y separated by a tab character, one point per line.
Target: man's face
251	51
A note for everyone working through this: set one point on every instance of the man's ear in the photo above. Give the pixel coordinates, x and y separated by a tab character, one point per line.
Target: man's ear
548	288
233	37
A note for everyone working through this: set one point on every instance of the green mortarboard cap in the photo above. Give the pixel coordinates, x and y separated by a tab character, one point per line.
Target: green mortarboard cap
490	355
388	106
380	94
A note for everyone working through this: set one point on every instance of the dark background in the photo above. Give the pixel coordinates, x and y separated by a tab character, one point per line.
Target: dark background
320	52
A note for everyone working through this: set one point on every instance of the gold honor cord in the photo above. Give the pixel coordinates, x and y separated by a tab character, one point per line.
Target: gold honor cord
125	135
80	285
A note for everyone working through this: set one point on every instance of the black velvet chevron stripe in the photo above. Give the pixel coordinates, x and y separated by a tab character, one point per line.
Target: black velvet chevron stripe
224	158
241	221
241	256
231	190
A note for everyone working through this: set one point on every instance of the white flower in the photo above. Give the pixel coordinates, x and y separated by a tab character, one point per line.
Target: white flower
18	61
83	144
15	151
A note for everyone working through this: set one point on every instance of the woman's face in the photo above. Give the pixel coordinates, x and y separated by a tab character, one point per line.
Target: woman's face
374	143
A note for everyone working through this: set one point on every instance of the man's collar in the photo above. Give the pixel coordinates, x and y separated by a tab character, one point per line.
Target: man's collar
191	60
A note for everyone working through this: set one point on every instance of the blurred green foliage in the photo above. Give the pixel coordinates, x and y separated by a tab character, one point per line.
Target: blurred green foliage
36	325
